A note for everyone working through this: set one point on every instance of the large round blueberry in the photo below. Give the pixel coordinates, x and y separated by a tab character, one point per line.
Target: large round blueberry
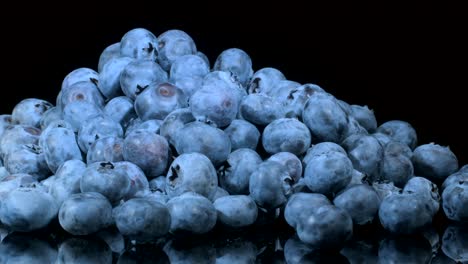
455	201
96	128
400	131
301	205
29	111
139	43
111	51
236	61
434	162
138	75
286	134
264	80
173	44
236	210
242	134
360	201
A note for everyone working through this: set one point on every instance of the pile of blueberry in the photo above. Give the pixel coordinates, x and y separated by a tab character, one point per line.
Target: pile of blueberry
158	144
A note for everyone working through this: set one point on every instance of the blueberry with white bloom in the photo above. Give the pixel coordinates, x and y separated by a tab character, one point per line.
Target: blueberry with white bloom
297	97
234	175
264	80
365	153
53	114
67	180
120	109
365	117
228	80
400	131
191	172
425	188
236	61
109	148
109	76
220	192
382	138
360	201
328	227
140	44
175	121
325	118
85	213
78	112
137	75
15	136
142	220
30	111
80	75
455	201
189	66
205	139
328	173
434	162
270	185
286	134
148	151
173	44
260	109
321	148
236	210
291	161
95	128
152	125
27	208
5	121
301	205
242	134
189	85
29	159
191	213
111	51
84	250
139	185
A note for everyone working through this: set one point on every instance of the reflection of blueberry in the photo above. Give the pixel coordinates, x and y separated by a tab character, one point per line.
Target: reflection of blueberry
455	201
405	250
455	243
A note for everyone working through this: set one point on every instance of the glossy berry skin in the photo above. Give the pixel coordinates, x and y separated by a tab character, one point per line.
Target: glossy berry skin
172	45
148	151
158	100
325	118
175	121
434	162
96	128
286	134
328	227
137	75
405	213
296	98
301	205
455	201
360	201
29	111
205	139
242	134
264	80
236	61
111	51
104	178
234	175
260	109
120	109
191	213
191	172
19	213
140	44
109	148
236	210
85	213
400	131
109	77
142	220
270	185
328	173
220	192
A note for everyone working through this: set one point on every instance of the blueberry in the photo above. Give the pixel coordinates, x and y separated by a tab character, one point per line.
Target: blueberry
220	192
365	117
15	136
5	121
301	205
242	134
158	100
325	118
96	128
189	85
30	111
81	91
455	201
19	214
329	227
405	249
385	189
328	173
78	112
14	181
365	153
142	220
111	51
236	210
395	148
80	75
205	139
291	161
108	148
191	172
234	175
260	109
84	250
264	80
139	185
236	61
455	243
360	201
397	169
191	213
455	178
383	139
121	110
109	76
152	125
158	184
28	159
296	98
434	162
400	131
49	116
67	180
270	185
148	151
85	213
424	188
405	213
321	148
139	43
175	121
24	248
283	89
286	134
138	75
172	45
189	66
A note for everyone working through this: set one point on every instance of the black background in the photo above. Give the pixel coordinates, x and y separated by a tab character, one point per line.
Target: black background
405	62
